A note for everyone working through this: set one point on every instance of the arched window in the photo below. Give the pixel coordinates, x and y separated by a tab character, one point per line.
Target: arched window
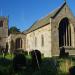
27	43
35	41
64	33
42	40
1	23
12	45
18	43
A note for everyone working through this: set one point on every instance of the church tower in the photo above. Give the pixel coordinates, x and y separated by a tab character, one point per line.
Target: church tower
3	31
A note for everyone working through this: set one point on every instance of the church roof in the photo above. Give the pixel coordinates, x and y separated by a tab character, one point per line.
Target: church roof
44	21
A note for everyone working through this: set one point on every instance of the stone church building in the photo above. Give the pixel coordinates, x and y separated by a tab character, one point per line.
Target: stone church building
48	35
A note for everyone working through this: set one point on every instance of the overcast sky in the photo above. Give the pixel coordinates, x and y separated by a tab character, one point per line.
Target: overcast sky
23	13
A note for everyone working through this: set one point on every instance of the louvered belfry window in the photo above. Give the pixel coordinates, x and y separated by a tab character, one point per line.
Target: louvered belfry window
1	23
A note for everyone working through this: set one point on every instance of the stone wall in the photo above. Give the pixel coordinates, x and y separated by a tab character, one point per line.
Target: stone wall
46	33
13	38
65	12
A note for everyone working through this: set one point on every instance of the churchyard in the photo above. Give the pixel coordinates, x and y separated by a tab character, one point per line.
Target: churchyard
24	64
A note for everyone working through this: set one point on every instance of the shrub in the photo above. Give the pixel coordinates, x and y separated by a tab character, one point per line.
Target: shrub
19	62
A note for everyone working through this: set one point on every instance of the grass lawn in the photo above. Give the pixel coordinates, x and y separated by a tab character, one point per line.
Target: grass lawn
49	66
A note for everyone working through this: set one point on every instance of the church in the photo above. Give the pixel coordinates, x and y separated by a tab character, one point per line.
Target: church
48	35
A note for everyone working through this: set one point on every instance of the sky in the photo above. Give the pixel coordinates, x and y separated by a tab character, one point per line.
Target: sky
23	13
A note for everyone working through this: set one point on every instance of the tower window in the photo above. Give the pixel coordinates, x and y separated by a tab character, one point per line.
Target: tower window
1	23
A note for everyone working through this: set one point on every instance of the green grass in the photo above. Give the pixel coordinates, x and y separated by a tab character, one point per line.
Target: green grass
9	56
47	67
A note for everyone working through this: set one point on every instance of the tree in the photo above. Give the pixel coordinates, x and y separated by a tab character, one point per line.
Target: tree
14	30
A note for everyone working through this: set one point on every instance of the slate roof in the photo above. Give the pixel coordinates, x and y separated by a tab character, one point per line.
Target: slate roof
45	20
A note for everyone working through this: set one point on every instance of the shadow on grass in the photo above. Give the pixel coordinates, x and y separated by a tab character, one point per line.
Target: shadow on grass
5	66
49	66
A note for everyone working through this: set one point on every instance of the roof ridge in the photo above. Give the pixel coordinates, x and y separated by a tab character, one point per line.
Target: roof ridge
45	20
59	8
56	9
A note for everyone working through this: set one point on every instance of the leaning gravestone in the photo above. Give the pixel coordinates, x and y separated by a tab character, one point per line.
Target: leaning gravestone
36	58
